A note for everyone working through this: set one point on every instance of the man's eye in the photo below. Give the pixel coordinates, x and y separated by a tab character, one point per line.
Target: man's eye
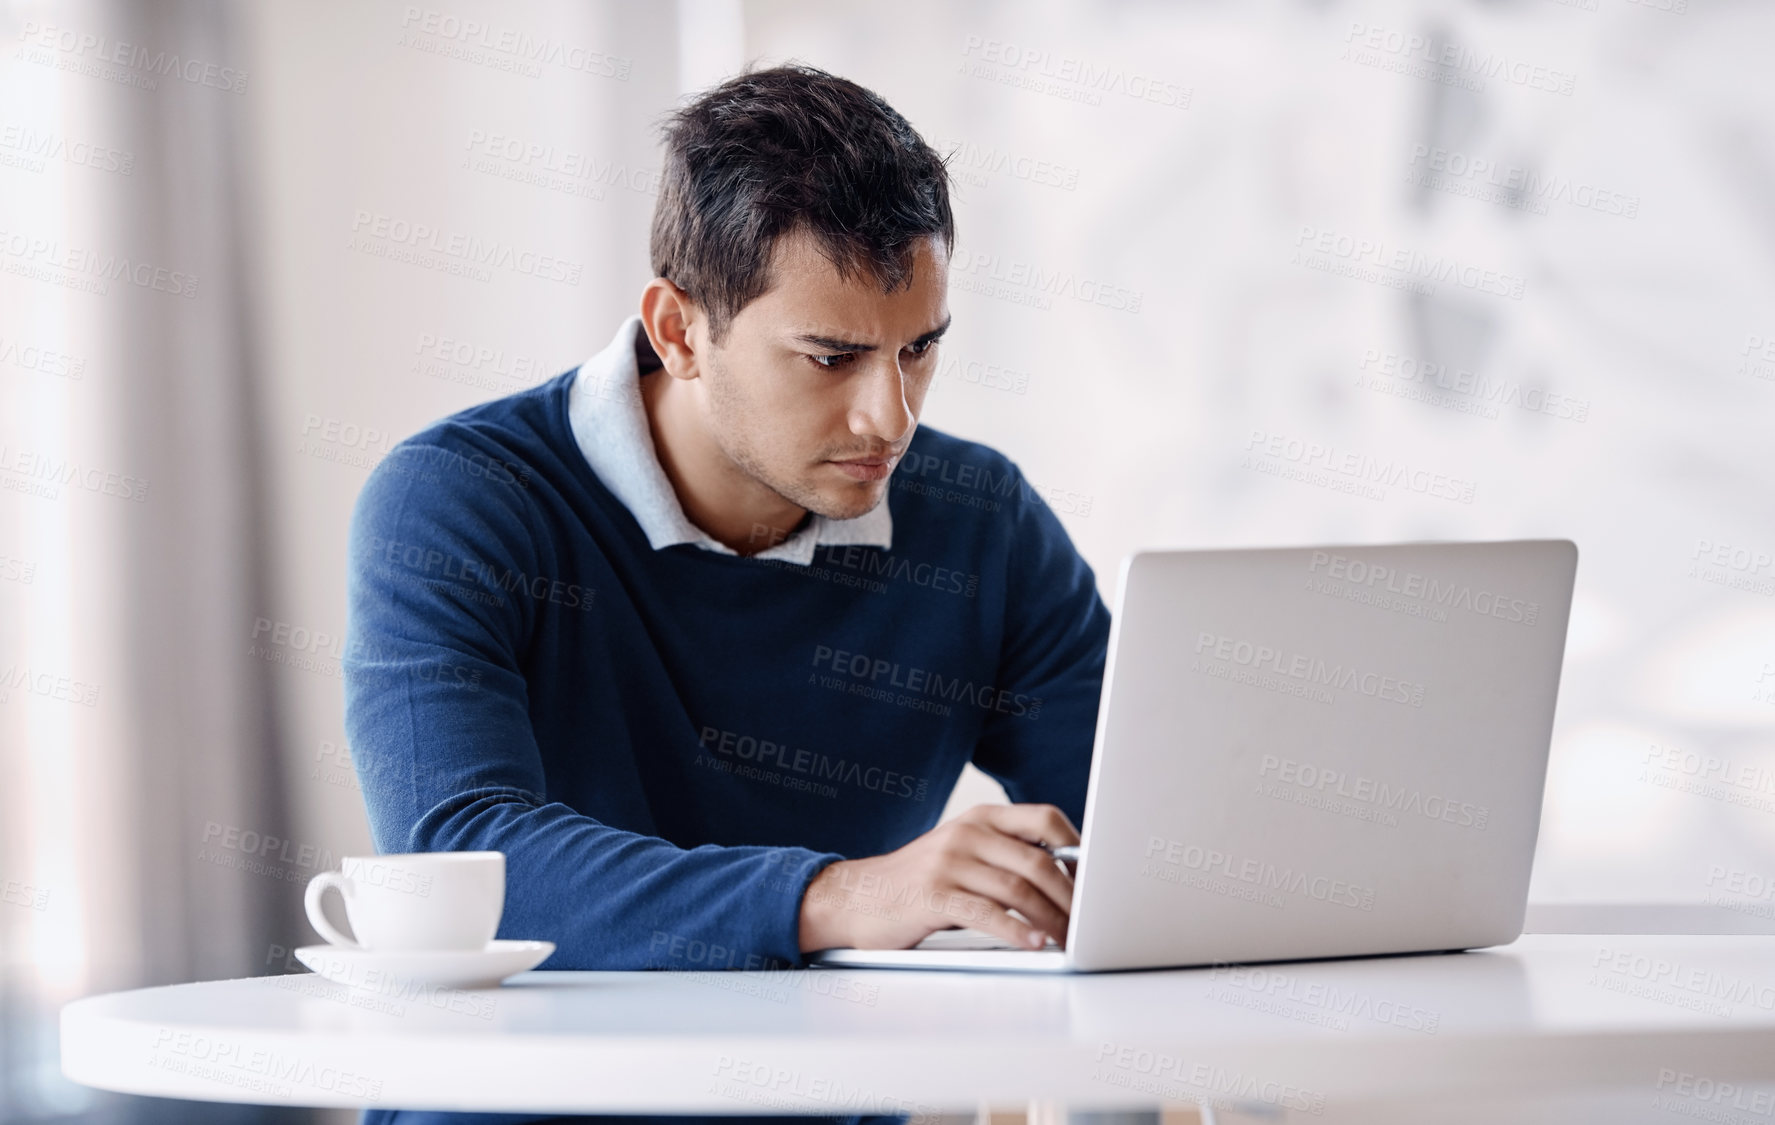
922	348
833	362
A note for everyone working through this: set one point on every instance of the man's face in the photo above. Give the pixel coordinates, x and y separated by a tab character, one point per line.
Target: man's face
816	389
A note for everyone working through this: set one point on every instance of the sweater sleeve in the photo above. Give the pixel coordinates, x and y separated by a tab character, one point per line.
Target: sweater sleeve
1056	637
437	717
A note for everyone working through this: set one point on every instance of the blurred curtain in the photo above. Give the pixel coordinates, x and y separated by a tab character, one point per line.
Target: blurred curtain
113	799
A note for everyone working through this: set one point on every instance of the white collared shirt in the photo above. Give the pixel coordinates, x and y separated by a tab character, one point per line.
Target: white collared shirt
610	425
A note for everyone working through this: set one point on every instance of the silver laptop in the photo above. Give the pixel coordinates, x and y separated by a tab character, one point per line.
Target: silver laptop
1303	753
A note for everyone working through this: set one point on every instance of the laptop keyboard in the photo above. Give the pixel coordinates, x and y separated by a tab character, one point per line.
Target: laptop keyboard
971	940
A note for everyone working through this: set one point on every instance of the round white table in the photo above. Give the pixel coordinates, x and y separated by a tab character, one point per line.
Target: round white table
1546	1016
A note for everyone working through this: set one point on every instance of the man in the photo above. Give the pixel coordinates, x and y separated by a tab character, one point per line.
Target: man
701	633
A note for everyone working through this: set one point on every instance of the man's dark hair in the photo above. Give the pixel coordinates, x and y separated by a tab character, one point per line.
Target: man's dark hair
773	151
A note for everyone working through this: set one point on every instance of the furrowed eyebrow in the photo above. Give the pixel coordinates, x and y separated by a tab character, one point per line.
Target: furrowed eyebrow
934	334
831	344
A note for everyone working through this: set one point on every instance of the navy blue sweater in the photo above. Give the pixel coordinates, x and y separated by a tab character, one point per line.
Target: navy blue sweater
668	745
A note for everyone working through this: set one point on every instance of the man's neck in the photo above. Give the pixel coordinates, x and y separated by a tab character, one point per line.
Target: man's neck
726	504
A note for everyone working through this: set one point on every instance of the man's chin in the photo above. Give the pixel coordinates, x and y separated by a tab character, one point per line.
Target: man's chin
849	502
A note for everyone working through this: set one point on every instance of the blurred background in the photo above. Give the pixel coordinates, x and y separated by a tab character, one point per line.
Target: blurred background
1208	252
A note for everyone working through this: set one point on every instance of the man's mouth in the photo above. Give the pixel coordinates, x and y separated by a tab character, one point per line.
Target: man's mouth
865	468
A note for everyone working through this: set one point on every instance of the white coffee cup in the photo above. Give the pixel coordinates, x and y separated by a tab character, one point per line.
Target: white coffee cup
421	901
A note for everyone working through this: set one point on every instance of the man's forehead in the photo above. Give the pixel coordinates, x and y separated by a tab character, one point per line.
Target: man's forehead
799	257
809	299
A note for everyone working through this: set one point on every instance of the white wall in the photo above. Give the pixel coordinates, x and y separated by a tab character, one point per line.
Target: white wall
1141	420
361	114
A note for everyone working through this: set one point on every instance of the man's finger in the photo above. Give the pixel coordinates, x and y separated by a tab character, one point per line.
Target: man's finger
956	906
1032	864
1038	824
1007	889
1006	926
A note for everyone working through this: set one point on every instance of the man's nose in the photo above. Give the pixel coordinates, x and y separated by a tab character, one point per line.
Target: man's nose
880	409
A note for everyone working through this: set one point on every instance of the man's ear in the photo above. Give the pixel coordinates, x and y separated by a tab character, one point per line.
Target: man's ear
674	326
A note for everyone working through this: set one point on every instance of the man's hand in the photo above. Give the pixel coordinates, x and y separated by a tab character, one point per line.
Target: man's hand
970	871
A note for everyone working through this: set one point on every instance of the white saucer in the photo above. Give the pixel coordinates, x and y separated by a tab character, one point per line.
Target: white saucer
374	969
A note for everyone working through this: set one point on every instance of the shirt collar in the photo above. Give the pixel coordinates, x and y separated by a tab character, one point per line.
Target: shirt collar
610	426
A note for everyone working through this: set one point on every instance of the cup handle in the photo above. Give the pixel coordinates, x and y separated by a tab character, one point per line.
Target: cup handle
317	918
